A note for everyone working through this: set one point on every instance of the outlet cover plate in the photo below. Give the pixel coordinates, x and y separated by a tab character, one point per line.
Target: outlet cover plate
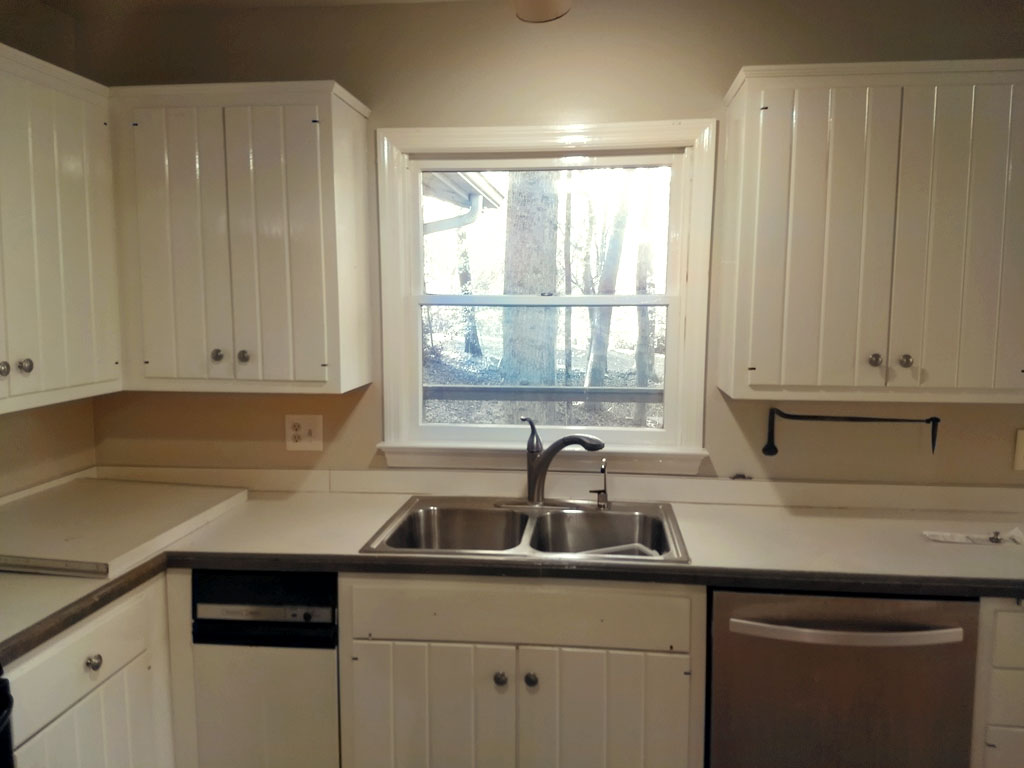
304	433
1018	456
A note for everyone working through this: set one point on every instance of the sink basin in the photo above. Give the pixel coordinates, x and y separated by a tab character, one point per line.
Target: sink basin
511	528
429	526
600	532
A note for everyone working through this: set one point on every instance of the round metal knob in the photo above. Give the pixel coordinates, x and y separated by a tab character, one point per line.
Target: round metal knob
5	368
243	356
26	365
906	361
875	360
500	678
217	355
531	680
94	662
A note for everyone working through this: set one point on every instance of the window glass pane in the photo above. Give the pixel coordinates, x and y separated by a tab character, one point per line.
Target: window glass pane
551	232
489	365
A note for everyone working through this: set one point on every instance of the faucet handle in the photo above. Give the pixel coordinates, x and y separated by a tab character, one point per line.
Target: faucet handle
533	443
602	493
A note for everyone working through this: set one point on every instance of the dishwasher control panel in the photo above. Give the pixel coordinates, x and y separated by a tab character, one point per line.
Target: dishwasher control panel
265	608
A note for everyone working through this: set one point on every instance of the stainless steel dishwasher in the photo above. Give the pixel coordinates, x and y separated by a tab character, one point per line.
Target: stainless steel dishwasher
264	650
813	681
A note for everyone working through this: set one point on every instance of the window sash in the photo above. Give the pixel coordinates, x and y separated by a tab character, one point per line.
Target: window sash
399	152
529	300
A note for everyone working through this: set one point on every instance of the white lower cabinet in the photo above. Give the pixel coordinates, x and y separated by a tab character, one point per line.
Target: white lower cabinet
447	701
998	737
98	694
112	727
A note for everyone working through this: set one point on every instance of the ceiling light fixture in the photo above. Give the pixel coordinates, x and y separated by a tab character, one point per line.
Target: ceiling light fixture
542	10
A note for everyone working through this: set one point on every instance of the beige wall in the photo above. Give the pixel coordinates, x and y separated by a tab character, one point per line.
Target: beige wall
45	443
472	63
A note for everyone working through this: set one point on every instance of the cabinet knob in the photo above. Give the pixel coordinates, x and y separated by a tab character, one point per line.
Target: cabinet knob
5	368
217	355
906	361
243	356
26	365
875	360
94	662
531	680
500	679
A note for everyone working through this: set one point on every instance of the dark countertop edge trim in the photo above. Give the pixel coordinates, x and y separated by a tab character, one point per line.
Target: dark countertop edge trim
32	637
22	642
715	577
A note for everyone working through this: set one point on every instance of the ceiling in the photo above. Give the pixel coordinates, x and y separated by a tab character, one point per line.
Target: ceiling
97	6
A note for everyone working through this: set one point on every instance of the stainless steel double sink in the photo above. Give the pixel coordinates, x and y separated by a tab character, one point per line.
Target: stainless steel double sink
482	526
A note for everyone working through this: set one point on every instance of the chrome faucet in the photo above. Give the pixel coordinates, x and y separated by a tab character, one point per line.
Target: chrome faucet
538	458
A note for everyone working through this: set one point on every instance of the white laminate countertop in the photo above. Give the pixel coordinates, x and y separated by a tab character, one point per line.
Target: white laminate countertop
118	522
719	536
727	543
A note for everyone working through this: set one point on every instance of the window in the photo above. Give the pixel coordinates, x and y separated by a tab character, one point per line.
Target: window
555	273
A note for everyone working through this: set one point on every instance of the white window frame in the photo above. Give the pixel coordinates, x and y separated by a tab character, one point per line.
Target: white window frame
403	152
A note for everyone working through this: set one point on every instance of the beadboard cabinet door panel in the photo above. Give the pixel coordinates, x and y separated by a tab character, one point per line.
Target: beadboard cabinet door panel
242	228
306	243
257	213
112	727
17	240
99	191
157	274
59	330
50	368
861	193
433	705
1010	337
76	258
213	215
771	236
869	242
822	255
801	329
277	235
179	157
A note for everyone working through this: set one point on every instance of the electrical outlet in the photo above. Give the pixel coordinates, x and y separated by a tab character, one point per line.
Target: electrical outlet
304	433
1018	456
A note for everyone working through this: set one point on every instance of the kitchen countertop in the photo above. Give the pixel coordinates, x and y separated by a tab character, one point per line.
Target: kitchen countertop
124	523
731	546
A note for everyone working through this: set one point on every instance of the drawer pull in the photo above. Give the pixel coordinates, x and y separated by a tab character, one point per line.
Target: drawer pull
94	662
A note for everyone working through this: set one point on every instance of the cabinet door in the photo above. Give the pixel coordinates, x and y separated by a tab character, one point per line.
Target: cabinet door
821	240
594	708
433	704
959	247
56	240
1004	747
183	242
112	727
277	248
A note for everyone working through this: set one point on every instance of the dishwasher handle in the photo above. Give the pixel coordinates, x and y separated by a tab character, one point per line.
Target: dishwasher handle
843	637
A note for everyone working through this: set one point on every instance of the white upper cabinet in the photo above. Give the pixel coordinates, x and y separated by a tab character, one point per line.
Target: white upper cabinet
870	245
244	234
59	319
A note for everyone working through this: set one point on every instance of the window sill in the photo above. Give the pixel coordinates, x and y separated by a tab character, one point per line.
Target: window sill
490	456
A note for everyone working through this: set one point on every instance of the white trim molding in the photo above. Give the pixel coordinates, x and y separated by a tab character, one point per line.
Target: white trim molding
400	151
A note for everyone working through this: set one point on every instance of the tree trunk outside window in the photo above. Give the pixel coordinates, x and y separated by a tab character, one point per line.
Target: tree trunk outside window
531	244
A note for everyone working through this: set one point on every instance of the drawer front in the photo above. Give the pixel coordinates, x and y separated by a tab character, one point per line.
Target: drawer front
649	617
1008	647
1004	747
1006	698
49	682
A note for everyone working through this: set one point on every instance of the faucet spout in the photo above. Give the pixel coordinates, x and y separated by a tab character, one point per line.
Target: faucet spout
539	458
